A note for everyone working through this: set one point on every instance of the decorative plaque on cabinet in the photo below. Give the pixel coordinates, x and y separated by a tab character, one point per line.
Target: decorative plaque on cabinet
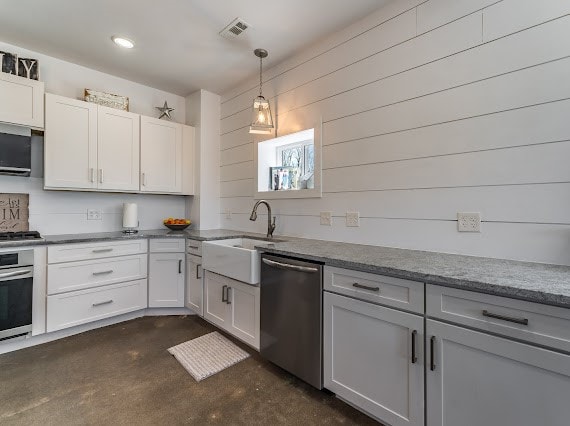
14	212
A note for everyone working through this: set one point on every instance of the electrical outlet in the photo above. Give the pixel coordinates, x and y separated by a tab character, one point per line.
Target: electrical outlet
94	214
469	222
326	218
352	219
228	214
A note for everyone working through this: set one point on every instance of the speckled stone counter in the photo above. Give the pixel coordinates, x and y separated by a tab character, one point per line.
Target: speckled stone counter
534	282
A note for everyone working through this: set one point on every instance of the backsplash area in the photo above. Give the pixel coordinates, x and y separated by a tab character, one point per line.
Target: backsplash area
64	212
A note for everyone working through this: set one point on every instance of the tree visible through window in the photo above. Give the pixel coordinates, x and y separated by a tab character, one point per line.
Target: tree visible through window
300	156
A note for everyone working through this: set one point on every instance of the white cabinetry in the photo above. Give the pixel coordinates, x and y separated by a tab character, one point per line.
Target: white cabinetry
22	101
477	379
161	156
188	158
166	274
92	281
233	306
194	284
90	147
373	358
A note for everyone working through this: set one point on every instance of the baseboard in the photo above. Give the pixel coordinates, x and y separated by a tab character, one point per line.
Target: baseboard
18	343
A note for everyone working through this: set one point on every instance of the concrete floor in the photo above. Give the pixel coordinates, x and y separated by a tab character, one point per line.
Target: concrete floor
123	375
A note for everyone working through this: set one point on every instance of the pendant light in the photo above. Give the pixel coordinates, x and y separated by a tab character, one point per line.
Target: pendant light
262	122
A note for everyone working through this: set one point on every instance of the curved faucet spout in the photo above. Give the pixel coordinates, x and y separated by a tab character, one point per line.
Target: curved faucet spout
270	225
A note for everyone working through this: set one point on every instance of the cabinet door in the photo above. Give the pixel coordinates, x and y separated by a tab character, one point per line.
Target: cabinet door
194	286
118	145
215	306
70	145
166	280
243	300
188	157
373	358
22	101
477	379
161	156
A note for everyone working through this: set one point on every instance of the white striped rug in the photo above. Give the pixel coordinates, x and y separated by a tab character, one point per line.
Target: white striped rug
207	355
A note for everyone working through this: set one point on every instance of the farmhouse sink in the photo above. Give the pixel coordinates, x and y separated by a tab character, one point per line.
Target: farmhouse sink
235	258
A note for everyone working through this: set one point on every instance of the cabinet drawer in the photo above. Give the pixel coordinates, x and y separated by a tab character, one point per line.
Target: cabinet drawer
380	289
63	277
533	322
80	307
168	245
86	251
194	247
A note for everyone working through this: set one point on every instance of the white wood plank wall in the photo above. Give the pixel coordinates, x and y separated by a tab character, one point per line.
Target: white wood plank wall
429	108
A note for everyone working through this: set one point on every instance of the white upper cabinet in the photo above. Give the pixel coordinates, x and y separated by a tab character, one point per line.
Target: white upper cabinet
161	156
188	157
22	101
90	147
70	150
118	149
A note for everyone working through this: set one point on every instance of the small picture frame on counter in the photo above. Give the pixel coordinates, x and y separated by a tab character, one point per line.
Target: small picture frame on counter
282	178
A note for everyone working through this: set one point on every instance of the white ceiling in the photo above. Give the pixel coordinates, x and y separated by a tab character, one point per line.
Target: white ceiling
178	48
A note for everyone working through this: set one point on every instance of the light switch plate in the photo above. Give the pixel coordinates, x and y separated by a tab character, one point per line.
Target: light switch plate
469	222
326	218
352	219
94	214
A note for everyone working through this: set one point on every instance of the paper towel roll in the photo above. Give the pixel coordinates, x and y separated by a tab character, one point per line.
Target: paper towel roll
130	215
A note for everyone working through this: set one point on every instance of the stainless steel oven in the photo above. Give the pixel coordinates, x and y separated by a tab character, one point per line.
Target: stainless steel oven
16	288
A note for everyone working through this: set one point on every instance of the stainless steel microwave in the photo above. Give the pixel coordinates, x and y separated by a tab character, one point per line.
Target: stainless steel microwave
15	154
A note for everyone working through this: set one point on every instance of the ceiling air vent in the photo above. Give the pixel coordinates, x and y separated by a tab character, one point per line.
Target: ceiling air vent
235	28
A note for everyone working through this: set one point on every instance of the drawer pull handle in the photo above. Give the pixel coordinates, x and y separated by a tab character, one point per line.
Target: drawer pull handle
194	247
366	287
522	321
224	296
431	353
110	271
106	250
414	356
179	266
228	301
106	302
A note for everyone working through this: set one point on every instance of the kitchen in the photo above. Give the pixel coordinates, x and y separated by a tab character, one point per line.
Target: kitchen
431	197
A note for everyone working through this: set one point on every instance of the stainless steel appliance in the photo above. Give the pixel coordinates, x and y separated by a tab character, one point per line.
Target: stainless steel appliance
16	285
15	154
291	316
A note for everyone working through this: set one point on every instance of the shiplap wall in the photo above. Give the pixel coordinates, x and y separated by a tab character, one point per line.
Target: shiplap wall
429	108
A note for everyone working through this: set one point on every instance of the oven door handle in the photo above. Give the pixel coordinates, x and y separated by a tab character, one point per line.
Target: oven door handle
15	273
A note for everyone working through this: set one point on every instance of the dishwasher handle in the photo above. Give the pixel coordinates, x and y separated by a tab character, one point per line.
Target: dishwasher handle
290	267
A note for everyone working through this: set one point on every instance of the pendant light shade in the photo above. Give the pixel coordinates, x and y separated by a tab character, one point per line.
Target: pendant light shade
261	121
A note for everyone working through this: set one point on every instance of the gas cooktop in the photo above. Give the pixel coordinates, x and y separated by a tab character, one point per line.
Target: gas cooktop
18	236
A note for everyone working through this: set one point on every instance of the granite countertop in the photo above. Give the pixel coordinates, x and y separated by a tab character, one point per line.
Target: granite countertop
534	282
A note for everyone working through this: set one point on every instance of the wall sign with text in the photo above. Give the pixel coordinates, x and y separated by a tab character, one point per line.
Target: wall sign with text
10	63
14	212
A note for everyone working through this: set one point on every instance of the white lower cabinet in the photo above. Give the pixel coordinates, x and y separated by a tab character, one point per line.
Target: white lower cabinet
166	280
233	306
477	379
373	358
83	306
194	284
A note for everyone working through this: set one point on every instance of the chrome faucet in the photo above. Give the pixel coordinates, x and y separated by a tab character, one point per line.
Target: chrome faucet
270	225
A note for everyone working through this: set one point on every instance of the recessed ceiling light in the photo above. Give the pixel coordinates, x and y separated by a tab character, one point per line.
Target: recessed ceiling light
123	42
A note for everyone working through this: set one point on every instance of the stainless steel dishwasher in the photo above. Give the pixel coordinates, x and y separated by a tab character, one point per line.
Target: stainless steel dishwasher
291	316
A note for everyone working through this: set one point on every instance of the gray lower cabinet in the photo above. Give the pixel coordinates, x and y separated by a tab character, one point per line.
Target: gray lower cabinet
373	359
476	379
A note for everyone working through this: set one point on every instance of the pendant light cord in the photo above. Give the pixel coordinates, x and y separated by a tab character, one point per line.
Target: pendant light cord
260	70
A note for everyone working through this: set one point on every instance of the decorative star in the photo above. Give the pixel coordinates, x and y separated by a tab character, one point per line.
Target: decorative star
165	111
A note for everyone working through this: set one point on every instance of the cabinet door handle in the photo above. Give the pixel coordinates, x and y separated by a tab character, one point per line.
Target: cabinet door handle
224	296
110	271
106	302
228	301
488	314
431	353
198	276
100	175
366	287
179	266
102	250
414	356
144	179
92	173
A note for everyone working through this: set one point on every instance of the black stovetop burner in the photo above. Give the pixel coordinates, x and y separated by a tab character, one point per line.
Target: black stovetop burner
16	236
